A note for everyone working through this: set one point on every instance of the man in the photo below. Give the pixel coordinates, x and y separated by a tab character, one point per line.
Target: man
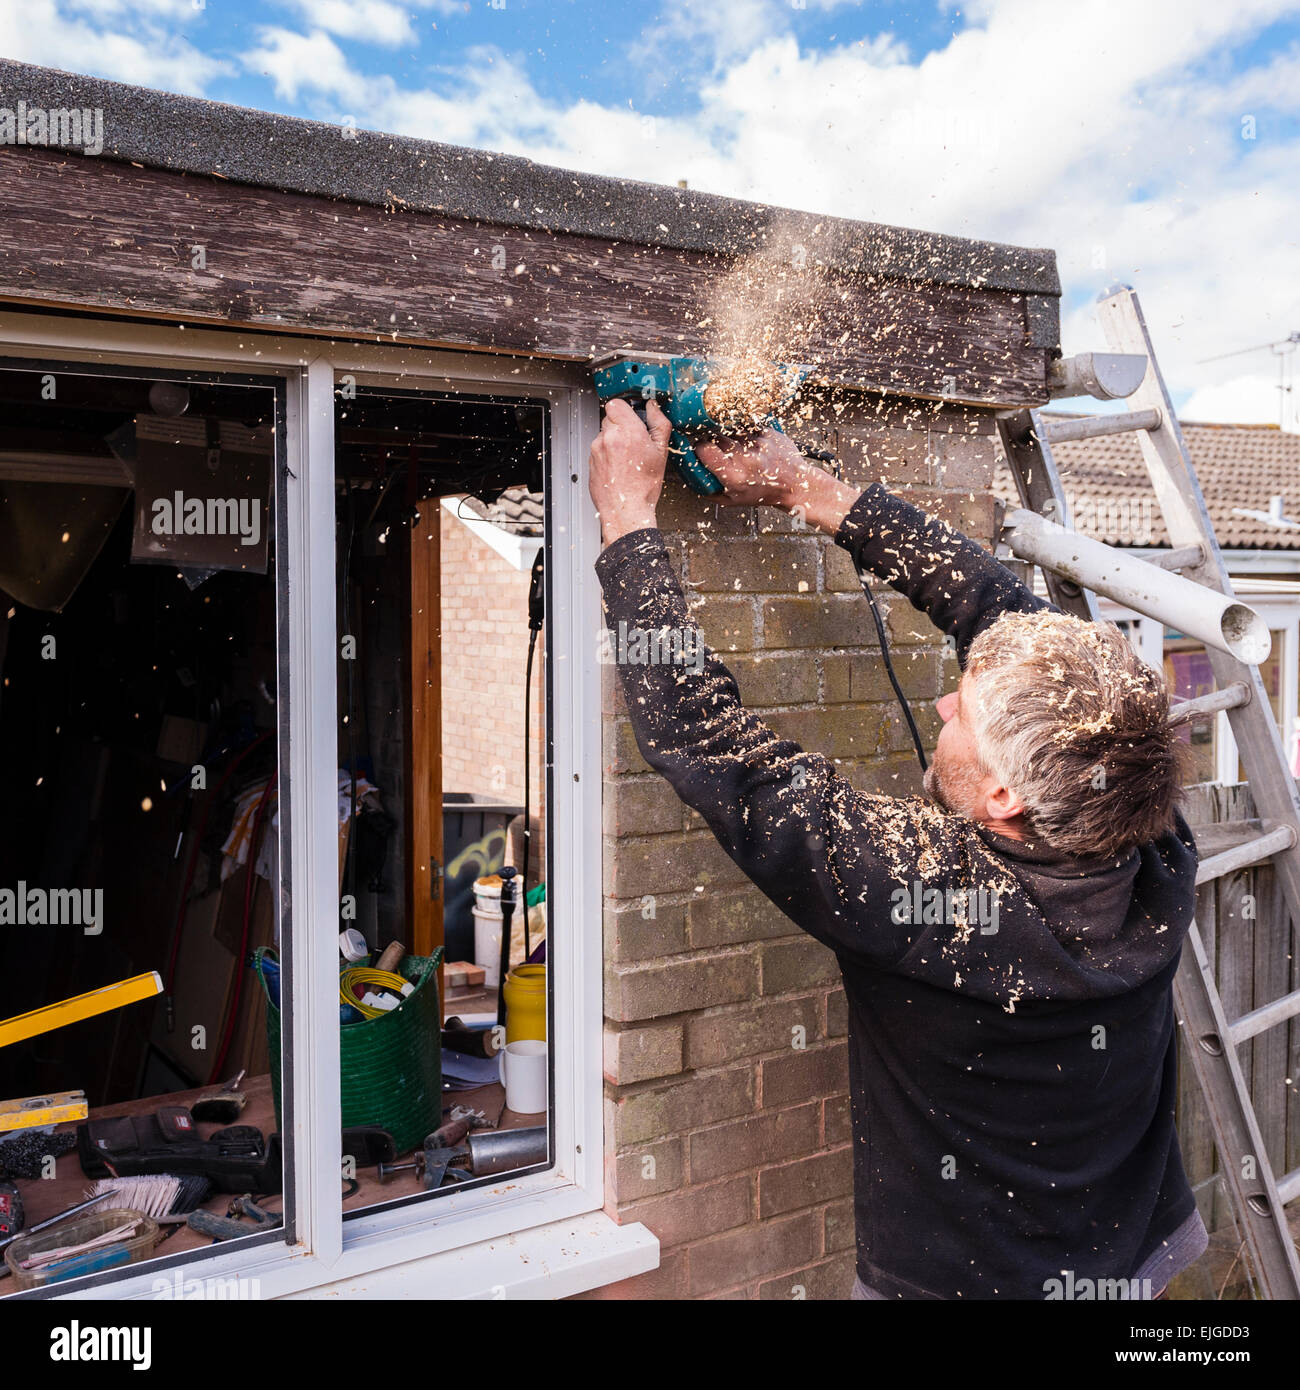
1007	946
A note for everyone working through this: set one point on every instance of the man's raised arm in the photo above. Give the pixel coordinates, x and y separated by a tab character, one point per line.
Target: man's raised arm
944	574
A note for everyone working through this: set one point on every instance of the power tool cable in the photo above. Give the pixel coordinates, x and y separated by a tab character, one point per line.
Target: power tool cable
824	456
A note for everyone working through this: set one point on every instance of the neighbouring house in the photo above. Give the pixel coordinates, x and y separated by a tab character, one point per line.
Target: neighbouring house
243	740
1250	477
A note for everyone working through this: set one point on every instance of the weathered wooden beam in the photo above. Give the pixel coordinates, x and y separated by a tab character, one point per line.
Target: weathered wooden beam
113	237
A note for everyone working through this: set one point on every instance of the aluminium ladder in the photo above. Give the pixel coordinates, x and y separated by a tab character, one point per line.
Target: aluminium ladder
1212	1038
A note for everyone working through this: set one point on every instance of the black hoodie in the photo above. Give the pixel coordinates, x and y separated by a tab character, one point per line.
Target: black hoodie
1012	1049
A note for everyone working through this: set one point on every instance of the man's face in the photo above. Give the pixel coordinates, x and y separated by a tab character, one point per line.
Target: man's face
954	779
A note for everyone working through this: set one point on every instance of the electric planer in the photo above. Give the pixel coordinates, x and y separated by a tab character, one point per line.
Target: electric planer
679	385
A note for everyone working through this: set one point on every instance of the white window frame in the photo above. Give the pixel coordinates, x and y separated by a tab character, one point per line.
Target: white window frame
541	1235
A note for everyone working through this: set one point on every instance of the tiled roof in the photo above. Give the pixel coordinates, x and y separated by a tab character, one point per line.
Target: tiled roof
1239	466
517	510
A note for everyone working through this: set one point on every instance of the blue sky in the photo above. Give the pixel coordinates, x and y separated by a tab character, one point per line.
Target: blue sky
1151	141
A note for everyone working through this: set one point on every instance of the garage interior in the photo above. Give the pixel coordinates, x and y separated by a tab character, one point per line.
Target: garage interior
139	723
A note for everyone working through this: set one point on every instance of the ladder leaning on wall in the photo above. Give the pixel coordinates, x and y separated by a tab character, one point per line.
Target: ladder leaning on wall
1075	569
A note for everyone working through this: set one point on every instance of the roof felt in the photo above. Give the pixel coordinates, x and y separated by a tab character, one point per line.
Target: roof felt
165	131
1238	466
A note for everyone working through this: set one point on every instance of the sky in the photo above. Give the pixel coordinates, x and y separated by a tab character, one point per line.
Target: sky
1153	142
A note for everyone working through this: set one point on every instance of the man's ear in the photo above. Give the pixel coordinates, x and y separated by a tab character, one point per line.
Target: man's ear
1001	803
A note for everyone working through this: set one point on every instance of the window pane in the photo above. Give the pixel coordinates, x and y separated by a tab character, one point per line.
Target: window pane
138	731
440	517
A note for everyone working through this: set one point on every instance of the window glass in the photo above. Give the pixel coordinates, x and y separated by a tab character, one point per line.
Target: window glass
139	844
442	759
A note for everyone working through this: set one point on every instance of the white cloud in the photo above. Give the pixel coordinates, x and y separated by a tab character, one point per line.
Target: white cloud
1243	400
309	63
138	51
371	21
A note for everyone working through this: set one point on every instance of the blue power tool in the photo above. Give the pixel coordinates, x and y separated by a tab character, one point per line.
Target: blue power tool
678	384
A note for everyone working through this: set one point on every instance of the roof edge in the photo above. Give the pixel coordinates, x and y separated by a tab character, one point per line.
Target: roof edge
196	136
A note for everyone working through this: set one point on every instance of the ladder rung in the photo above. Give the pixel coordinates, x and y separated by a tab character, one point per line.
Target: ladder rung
1270	843
1230	697
1265	1017
1090	426
1183	557
1288	1188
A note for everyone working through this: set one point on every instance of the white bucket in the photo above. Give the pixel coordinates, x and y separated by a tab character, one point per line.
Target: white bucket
487	944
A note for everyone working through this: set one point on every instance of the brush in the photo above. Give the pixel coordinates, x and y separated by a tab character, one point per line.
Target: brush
162	1196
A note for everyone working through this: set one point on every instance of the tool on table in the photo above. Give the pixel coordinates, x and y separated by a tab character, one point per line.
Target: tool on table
167	1197
508	891
236	1159
443	1151
81	1006
222	1106
680	386
470	1042
31	1112
503	1150
230	1226
368	1145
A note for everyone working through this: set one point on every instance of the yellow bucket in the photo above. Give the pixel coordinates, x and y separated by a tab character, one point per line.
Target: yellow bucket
526	1003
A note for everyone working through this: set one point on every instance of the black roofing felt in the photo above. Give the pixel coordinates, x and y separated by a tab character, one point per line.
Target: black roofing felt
194	136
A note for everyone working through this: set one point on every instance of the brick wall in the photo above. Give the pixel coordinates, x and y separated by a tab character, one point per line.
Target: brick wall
484	658
727	1120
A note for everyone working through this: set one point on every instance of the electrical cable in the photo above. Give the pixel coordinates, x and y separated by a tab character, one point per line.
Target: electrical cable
536	611
889	669
825	456
366	975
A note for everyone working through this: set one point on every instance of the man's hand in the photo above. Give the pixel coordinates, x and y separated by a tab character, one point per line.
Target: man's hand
762	471
626	468
770	471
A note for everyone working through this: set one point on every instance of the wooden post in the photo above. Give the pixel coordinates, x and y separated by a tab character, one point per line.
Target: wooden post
424	744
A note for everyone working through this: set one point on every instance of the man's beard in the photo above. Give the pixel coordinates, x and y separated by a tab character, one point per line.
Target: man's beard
957	794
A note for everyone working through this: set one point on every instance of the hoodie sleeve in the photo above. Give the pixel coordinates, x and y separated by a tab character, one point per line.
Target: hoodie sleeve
827	855
947	576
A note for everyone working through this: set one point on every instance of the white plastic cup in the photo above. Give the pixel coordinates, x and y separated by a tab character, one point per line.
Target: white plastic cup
522	1068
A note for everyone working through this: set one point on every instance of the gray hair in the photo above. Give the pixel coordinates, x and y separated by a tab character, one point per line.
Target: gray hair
1066	714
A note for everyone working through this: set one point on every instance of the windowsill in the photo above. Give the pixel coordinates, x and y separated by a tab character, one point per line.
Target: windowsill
547	1262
